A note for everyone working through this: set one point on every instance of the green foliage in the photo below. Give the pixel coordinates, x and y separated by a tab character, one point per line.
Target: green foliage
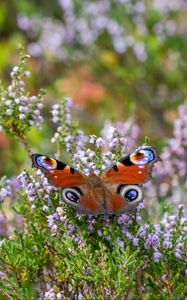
57	254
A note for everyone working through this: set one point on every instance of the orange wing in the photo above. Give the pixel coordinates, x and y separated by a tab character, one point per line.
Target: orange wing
92	201
58	173
135	168
115	203
122	181
76	190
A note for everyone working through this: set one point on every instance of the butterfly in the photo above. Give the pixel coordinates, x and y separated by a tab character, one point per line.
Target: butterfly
116	191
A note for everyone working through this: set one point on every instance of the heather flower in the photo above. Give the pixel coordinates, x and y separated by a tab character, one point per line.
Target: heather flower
115	139
125	220
36	188
85	25
50	295
156	256
148	242
129	235
5	188
179	250
99	232
120	243
135	242
142	233
171	182
121	134
55	112
99	142
17	105
91	221
63	136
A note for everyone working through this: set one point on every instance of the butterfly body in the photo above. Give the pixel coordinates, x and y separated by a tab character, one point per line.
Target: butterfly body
114	192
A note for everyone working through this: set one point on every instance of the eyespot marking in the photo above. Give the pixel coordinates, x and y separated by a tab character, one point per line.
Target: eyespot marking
142	157
46	162
131	193
71	196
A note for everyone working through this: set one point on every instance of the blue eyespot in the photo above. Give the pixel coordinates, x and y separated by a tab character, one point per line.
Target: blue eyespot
150	154
40	160
131	195
71	196
142	156
45	162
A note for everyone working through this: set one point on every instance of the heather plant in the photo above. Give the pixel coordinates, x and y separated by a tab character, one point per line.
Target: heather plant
171	184
126	25
59	254
138	45
19	110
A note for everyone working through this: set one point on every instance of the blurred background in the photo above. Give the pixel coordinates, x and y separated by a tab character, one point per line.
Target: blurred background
118	59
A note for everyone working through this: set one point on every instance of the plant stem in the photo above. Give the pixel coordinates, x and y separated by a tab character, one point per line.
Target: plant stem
139	284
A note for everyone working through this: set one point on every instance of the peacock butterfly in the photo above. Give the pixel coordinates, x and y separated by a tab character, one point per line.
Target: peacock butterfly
116	191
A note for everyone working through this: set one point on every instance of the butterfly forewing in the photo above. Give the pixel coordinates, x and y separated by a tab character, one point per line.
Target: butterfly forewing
58	173
135	168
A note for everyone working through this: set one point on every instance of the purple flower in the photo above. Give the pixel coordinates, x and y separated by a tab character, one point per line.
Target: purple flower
140	206
135	241
18	103
36	187
156	256
167	243
120	243
148	242
99	142
5	188
143	230
124	219
179	250
99	232
138	219
152	240
86	25
129	235
122	135
91	221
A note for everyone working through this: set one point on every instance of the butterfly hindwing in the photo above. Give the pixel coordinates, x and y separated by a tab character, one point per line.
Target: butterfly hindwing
121	198
91	201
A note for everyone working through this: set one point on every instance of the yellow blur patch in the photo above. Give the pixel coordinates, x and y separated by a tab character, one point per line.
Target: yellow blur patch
135	157
53	162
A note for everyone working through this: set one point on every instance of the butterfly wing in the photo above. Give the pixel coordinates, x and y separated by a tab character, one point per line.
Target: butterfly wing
76	189
58	173
122	180
134	168
92	201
